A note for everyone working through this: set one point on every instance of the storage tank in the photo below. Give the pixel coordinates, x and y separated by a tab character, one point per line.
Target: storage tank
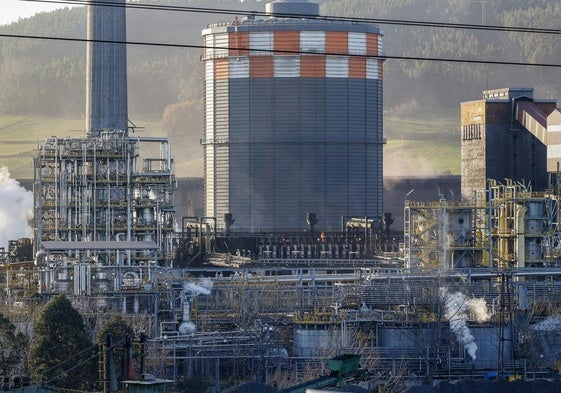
293	119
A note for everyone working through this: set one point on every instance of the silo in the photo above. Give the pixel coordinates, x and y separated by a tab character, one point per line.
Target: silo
293	119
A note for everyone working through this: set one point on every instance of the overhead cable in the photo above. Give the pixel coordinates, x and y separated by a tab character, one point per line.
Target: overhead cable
229	11
286	52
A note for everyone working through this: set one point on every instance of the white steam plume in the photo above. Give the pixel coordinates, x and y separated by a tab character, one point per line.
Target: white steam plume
203	287
479	309
456	306
16	211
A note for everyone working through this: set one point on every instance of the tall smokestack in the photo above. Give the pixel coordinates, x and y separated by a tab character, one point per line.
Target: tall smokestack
106	90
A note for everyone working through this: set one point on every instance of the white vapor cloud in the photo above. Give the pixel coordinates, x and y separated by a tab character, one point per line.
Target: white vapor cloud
16	209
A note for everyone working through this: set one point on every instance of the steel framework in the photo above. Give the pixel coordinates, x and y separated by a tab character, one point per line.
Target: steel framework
105	189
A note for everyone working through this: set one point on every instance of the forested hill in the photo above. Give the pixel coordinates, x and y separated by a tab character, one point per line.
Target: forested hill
46	77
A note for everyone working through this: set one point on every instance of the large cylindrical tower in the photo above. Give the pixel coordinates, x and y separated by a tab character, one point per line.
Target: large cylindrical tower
293	119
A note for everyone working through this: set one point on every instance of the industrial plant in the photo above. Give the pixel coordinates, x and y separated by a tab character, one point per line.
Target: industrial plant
295	260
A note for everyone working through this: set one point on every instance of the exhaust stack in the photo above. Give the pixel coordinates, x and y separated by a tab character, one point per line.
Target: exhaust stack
106	67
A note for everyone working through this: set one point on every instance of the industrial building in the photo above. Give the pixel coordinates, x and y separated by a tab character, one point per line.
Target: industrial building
107	196
508	134
506	226
293	120
293	139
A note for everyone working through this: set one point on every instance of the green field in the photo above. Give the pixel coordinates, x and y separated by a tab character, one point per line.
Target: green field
21	136
421	147
414	147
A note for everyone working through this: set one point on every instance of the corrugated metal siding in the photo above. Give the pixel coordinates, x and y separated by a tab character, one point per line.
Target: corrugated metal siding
553	138
553	157
221	45
221	68
313	152
312	66
356	124
261	102
262	160
372	46
239	43
314	135
238	67
358	159
312	109
286	168
372	70
262	190
374	135
336	150
241	198
209	46
336	42
532	118
286	113
209	181
374	120
209	71
289	145
312	41
261	43
240	111
222	186
261	67
209	99
357	67
221	112
287	41
287	66
356	180
336	67
357	43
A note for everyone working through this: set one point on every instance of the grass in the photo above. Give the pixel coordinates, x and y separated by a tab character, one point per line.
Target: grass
416	147
20	136
426	146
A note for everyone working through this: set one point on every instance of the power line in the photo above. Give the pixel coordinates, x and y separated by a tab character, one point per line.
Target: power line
229	11
286	52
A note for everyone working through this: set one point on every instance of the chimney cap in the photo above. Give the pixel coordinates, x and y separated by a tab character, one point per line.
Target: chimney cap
292	7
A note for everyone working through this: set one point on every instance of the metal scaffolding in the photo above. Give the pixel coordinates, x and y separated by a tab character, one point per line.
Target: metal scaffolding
102	190
506	225
445	234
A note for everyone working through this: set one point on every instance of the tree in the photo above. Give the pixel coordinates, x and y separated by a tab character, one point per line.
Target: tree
61	353
13	348
116	326
121	346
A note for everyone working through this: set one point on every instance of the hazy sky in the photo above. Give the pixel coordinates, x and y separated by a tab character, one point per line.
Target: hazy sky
12	10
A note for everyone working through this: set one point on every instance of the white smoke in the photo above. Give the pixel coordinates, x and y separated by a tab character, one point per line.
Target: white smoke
203	287
457	306
479	309
16	210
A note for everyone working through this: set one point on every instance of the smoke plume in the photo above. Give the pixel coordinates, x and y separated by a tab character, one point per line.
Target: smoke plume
16	211
203	287
457	306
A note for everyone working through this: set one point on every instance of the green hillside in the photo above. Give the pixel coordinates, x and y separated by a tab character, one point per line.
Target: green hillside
42	81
